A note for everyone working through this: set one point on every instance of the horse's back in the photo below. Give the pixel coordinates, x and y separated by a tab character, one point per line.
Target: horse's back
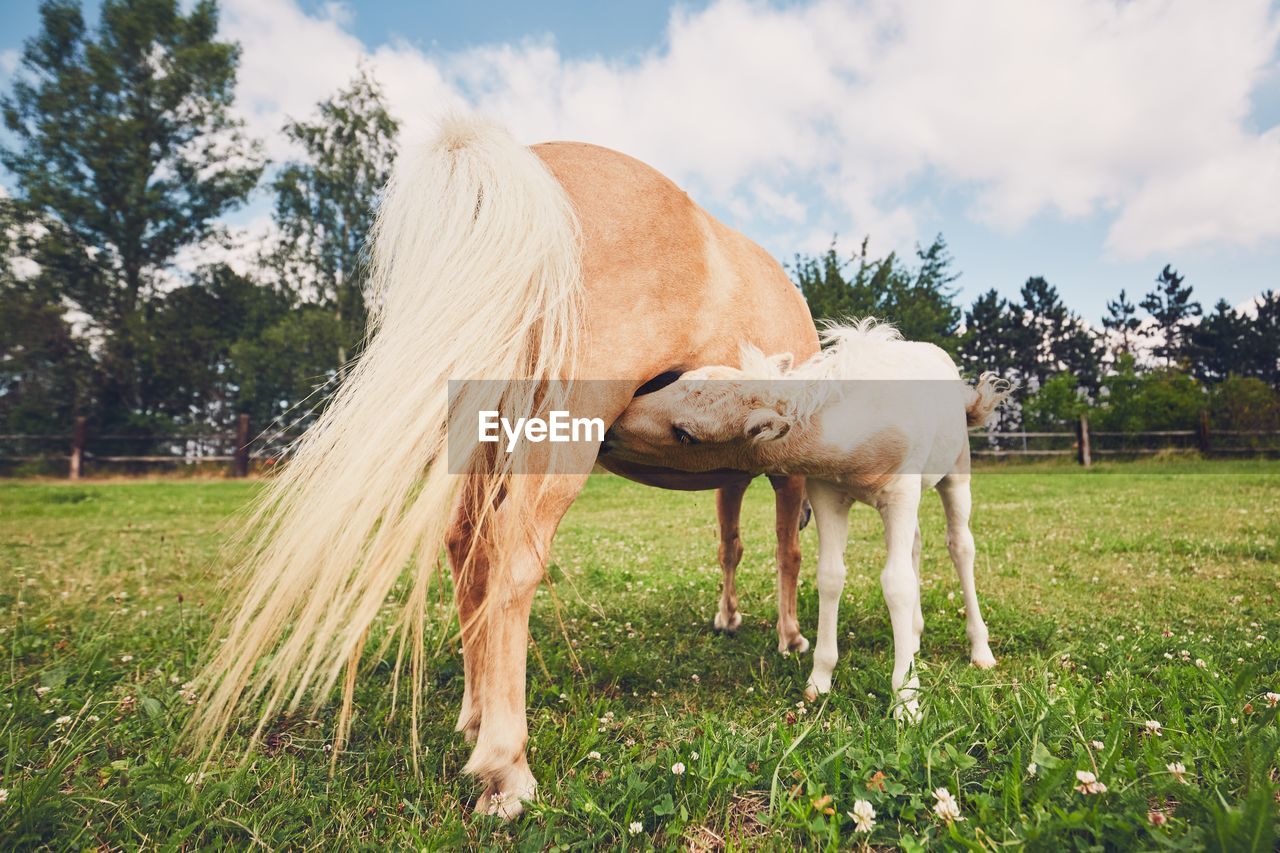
667	285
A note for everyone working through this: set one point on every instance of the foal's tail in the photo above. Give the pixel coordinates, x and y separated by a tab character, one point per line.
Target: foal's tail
986	397
476	274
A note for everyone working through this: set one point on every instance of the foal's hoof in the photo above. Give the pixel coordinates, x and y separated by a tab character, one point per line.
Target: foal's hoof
983	658
816	687
907	712
727	625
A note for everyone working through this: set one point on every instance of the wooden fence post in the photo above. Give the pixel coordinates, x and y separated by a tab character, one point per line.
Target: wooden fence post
1202	432
76	468
240	461
1084	454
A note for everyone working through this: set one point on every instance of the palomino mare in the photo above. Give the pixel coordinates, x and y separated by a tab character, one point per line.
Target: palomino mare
520	266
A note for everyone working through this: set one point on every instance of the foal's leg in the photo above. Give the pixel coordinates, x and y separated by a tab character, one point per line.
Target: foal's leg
957	502
831	511
789	513
900	509
915	562
728	511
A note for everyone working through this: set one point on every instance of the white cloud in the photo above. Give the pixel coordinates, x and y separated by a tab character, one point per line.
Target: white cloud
852	116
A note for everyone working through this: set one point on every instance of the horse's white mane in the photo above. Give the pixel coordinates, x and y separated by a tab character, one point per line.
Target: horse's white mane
844	346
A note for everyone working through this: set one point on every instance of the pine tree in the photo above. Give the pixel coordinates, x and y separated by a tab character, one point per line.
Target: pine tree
918	301
1261	348
1052	339
1217	345
990	335
1171	306
1122	319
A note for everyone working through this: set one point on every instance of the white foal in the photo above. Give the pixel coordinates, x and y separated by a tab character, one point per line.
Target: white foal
873	419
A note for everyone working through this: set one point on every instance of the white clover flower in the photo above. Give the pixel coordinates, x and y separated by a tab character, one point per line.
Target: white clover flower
693	756
1273	699
1097	744
864	816
1153	727
1200	663
1179	771
41	691
678	768
1089	783
62	721
635	827
4	796
946	807
593	755
1031	769
125	658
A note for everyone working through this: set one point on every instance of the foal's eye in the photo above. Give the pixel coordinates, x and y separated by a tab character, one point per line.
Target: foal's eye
683	436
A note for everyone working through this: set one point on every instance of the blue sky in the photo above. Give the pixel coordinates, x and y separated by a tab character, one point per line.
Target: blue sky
1083	140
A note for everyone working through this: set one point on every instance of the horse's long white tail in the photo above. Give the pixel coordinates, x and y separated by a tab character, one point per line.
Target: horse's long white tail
476	275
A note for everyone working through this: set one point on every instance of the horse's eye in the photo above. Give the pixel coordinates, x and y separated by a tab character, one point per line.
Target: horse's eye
683	436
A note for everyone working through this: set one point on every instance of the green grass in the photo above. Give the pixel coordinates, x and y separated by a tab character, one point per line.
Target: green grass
1093	584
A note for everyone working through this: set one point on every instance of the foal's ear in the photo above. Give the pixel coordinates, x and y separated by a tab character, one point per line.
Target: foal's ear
765	425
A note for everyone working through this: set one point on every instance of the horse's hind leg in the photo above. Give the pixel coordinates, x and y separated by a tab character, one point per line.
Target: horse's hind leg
469	562
789	504
524	526
729	511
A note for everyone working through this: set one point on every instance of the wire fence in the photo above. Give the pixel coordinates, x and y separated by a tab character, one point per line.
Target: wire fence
239	452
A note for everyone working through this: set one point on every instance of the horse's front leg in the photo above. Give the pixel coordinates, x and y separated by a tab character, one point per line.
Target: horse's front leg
789	506
728	512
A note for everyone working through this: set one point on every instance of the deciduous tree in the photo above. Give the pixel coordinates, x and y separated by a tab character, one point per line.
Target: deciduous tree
124	152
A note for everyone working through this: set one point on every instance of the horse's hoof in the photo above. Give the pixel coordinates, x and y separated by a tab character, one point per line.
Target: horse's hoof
797	644
469	725
507	803
727	626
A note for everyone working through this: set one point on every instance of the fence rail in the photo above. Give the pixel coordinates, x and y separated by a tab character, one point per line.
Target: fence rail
1085	443
239	449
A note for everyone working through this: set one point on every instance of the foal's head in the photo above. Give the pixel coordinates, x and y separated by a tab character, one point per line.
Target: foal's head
713	417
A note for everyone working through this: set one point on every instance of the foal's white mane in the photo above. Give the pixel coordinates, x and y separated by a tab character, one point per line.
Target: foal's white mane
845	346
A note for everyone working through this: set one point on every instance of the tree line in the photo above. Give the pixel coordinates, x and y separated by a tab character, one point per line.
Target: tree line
125	156
1153	365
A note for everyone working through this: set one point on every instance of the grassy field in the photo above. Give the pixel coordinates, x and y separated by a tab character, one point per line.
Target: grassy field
1114	597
